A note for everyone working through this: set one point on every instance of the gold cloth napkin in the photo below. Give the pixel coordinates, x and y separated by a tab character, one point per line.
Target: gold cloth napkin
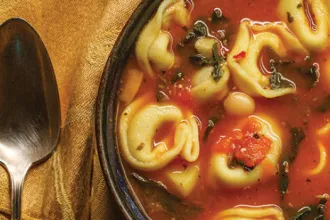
79	35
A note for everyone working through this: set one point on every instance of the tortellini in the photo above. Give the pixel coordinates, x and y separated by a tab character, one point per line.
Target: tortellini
131	82
204	46
320	134
153	44
176	12
251	39
138	125
251	212
221	173
205	87
314	37
183	180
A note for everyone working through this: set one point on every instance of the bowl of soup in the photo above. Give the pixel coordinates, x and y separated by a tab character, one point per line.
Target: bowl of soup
217	109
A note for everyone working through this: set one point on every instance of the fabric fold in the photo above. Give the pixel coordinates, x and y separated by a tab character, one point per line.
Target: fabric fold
79	36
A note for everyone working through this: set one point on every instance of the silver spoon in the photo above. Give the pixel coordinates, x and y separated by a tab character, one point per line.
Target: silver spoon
29	104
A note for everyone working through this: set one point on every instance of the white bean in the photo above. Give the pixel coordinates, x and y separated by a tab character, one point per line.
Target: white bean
239	104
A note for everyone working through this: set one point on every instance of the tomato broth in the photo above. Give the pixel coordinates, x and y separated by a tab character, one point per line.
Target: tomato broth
304	111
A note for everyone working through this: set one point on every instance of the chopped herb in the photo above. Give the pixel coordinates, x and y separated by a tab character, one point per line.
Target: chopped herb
325	105
140	147
173	206
277	81
297	136
290	18
299	5
200	60
210	125
161	96
176	77
284	177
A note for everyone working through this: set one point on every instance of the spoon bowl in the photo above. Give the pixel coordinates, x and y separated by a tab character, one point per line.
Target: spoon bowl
29	104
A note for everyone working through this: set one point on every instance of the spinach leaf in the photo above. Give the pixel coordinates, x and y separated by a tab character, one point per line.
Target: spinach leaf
210	125
312	74
297	136
316	211
172	205
284	177
218	60
320	208
200	60
302	213
188	38
199	29
325	105
217	72
216	55
217	16
277	81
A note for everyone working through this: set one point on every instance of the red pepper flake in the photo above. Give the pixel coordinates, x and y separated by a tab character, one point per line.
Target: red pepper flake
241	55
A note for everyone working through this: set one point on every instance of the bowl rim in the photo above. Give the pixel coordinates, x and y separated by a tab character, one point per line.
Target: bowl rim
106	112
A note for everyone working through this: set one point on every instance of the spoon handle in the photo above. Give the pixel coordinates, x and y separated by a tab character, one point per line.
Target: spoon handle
17	180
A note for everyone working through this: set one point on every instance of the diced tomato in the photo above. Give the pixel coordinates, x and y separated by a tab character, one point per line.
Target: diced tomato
224	145
252	150
240	55
237	134
248	146
252	125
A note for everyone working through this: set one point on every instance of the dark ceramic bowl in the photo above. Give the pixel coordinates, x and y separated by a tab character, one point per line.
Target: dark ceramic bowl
106	112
